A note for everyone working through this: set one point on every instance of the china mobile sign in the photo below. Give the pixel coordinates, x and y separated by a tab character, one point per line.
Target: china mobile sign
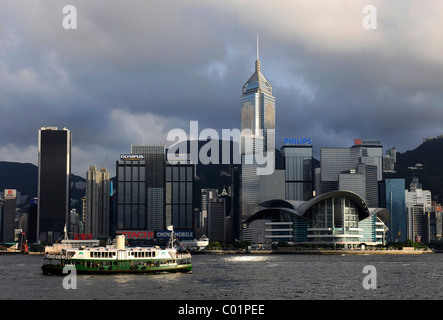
179	234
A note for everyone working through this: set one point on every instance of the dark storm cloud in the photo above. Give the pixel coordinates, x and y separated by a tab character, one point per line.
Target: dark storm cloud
133	70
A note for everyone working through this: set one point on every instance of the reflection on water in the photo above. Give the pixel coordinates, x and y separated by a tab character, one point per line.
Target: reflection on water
247	258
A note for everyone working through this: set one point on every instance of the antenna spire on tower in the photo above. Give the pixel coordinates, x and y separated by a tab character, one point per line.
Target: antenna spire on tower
257	62
257	47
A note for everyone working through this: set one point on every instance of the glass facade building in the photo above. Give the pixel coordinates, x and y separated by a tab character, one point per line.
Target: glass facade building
337	217
54	171
154	156
298	172
131	195
179	201
395	203
356	169
257	109
257	118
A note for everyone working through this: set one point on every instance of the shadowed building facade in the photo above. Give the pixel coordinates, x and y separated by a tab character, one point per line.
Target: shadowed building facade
54	171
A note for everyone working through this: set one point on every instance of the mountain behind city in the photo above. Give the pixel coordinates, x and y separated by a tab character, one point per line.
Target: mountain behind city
425	163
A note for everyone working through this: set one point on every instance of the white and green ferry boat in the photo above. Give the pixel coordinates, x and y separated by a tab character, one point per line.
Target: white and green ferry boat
118	258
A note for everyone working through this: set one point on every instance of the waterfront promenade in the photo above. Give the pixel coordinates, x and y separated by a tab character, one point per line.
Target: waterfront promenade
294	250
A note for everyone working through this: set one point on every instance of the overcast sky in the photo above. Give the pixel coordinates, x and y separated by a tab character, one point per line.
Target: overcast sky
135	69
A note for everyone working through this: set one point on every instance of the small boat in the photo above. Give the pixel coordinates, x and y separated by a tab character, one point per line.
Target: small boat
118	258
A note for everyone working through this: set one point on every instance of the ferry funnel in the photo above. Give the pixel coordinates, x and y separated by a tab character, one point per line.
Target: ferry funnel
120	242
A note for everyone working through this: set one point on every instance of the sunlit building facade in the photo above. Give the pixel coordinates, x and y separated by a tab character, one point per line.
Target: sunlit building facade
258	136
337	217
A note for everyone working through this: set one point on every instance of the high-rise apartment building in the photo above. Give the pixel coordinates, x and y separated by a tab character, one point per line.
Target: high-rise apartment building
97	202
54	170
154	156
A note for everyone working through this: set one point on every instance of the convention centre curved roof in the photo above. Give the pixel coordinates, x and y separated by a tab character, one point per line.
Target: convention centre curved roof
301	208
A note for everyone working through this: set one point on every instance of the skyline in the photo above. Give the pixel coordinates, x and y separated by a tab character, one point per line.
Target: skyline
132	71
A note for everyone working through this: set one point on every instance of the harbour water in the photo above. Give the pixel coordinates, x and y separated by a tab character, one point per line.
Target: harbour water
240	277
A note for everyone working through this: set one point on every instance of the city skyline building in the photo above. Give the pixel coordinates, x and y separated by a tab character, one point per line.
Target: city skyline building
258	109
131	194
299	181
395	203
418	204
206	195
8	216
97	202
358	169
337	217
54	171
154	156
179	199
217	219
257	119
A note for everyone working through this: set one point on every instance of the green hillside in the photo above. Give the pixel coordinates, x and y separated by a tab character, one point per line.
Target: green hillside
430	174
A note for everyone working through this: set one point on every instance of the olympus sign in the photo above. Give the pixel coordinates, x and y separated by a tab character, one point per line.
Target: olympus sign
132	157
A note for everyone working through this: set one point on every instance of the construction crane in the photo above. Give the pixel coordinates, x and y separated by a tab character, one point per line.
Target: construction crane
104	161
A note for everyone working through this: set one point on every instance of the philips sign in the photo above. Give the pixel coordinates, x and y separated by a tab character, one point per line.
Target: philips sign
298	141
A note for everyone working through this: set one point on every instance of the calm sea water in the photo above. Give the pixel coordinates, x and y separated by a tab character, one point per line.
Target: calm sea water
240	277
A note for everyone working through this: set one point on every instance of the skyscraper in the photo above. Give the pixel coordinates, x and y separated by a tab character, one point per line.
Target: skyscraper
418	205
97	201
395	203
258	117
257	109
179	200
54	171
357	169
155	183
8	222
298	172
131	193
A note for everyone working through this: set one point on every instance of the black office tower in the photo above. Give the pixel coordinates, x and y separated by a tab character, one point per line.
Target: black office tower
54	170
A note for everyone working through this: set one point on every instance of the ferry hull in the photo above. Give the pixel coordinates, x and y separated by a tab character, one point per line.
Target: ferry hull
50	269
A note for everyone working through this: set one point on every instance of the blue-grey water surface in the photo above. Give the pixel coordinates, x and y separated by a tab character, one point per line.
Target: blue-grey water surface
240	277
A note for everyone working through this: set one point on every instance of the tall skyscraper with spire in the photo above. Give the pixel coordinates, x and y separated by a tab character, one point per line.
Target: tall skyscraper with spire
258	108
257	119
